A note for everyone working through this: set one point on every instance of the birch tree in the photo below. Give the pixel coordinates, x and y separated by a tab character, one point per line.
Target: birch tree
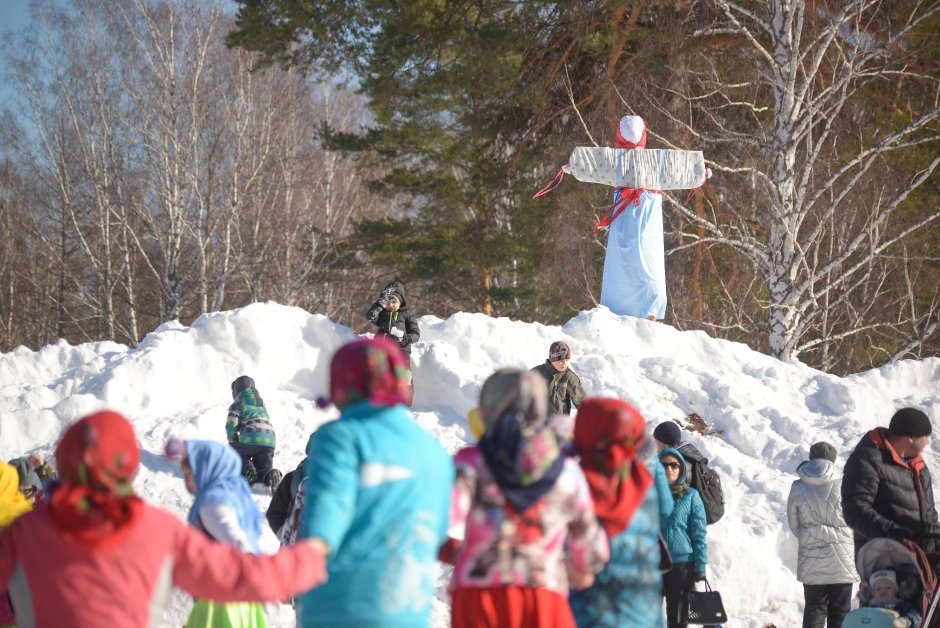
824	180
78	147
172	45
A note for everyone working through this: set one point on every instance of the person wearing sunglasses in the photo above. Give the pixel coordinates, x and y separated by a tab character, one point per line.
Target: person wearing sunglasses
684	532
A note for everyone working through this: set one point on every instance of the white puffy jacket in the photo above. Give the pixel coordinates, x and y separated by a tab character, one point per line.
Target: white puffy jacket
814	511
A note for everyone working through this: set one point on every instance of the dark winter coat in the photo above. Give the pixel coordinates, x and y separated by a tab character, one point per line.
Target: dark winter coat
564	388
283	499
404	319
884	495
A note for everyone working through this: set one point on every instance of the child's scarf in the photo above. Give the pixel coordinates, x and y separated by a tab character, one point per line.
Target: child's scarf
607	435
97	458
519	447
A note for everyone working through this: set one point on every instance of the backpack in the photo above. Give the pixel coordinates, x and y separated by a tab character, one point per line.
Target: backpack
287	534
708	484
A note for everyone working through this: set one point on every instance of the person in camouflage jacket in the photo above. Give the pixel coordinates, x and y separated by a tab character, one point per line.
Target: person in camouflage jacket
564	385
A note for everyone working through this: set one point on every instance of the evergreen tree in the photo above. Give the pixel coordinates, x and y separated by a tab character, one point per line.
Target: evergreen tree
469	101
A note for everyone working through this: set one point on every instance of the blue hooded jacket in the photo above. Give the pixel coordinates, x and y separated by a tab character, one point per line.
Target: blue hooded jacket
378	493
685	527
217	471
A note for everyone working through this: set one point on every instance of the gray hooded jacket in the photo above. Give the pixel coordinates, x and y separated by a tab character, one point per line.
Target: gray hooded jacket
814	511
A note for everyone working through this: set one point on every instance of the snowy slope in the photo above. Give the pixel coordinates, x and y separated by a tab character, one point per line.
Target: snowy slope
766	413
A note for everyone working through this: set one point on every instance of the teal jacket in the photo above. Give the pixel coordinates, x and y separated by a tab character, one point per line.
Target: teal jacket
629	590
684	530
378	492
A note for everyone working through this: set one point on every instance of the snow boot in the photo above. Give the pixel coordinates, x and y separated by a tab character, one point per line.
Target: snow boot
250	473
273	479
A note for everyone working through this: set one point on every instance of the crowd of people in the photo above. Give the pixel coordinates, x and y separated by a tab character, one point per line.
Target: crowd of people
877	525
546	522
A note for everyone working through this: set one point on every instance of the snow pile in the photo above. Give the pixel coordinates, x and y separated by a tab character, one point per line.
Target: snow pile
766	413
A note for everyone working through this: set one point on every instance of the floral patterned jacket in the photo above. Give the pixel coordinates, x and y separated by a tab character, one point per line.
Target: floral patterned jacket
537	547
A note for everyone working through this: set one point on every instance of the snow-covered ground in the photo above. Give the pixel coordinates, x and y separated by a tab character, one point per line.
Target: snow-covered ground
765	412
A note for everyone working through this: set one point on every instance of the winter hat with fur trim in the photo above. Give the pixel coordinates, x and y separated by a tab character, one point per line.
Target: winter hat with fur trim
910	422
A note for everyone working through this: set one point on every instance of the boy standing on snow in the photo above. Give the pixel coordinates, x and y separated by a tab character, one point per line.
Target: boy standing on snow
564	385
251	434
395	321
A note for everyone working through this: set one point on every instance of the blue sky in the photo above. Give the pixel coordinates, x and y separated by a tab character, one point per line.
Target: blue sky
14	13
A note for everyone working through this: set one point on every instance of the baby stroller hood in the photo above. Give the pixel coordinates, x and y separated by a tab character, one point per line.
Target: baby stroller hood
916	580
882	553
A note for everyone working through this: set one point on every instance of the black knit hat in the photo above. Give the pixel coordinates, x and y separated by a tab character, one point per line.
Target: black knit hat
822	450
668	433
559	351
909	422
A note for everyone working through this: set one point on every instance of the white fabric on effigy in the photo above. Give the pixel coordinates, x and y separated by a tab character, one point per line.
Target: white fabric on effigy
650	169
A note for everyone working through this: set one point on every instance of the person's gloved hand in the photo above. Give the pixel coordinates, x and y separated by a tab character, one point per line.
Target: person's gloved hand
700	576
399	334
900	533
384	296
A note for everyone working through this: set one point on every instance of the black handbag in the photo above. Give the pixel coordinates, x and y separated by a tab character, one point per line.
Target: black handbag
702	607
